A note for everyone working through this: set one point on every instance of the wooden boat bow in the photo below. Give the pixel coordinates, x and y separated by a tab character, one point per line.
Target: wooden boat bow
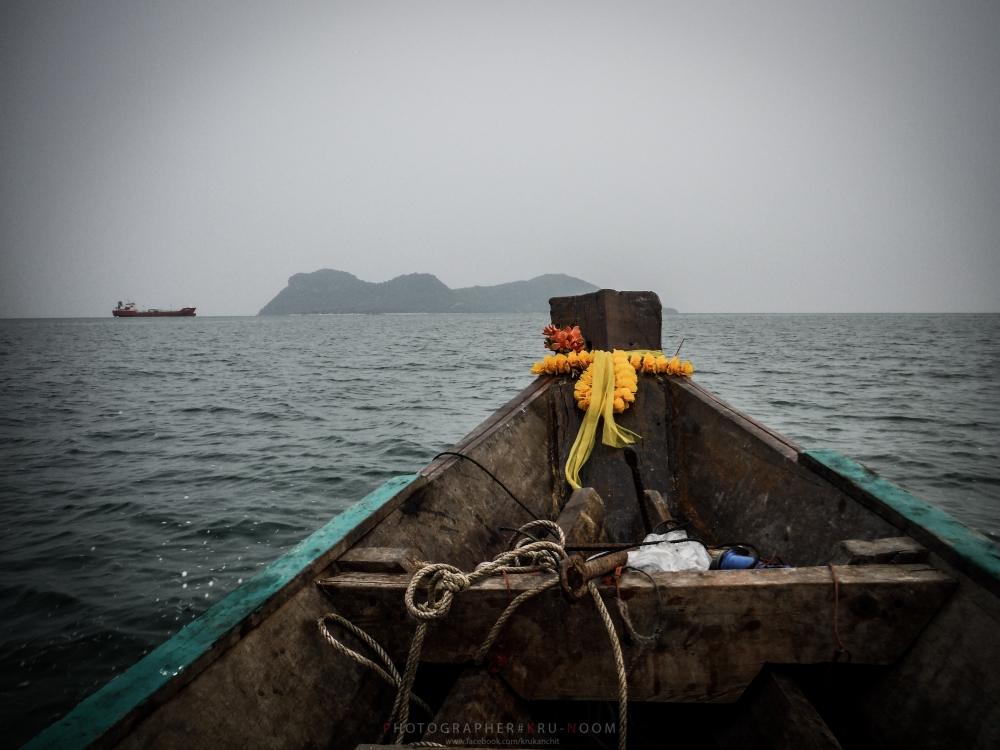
716	656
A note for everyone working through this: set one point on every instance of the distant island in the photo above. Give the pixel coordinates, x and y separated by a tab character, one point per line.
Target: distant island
329	291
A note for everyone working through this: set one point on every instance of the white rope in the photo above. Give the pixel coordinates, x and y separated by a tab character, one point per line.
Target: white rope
432	591
616	649
443	581
401	708
386	670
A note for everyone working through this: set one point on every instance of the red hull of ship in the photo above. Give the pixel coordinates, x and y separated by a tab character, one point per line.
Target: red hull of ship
183	312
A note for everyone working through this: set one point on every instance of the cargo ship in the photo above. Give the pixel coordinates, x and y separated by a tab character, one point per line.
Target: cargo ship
128	310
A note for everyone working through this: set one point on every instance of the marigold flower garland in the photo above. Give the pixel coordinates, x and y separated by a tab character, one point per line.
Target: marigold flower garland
606	386
626	384
563	364
627	365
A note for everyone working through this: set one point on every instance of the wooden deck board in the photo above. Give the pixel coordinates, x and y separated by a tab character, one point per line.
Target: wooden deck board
719	627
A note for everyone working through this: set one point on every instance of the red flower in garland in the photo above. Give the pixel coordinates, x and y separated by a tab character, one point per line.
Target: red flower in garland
563	340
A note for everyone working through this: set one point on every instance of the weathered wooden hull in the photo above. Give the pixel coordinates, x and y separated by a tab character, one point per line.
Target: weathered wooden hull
925	660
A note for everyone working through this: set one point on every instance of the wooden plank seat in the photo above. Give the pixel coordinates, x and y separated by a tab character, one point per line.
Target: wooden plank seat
379	560
719	628
898	549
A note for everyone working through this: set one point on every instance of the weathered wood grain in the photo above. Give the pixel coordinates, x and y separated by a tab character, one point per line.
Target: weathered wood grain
945	693
719	627
656	508
895	549
737	481
607	470
379	560
582	520
610	319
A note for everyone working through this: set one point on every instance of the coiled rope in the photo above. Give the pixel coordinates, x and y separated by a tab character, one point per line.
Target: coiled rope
429	597
386	670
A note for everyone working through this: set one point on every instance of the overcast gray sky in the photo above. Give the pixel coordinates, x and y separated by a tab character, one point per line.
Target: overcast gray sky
737	156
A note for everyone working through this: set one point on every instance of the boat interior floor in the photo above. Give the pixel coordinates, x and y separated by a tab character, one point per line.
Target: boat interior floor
784	653
718	657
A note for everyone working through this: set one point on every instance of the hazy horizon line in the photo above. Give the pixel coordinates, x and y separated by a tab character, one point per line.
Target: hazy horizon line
665	315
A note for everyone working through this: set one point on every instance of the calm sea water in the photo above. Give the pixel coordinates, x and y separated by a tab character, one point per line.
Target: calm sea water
147	467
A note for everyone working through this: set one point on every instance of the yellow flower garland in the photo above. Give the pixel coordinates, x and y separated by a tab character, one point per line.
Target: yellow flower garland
563	364
654	363
627	365
626	384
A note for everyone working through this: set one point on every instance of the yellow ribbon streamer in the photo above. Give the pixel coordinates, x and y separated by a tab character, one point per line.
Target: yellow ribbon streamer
602	399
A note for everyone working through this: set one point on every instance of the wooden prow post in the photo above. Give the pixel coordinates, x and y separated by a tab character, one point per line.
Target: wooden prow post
610	319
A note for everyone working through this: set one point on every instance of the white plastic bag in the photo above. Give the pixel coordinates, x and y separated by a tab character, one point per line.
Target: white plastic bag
669	554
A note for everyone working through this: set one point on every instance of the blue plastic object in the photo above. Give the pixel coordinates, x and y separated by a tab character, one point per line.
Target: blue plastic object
735	559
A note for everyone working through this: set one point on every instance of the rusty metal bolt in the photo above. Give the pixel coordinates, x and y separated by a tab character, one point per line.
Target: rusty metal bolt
576	572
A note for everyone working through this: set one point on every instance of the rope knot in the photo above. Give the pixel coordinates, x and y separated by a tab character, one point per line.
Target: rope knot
453	582
442	582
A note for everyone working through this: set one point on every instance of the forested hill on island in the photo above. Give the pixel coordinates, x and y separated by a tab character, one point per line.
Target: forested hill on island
329	291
